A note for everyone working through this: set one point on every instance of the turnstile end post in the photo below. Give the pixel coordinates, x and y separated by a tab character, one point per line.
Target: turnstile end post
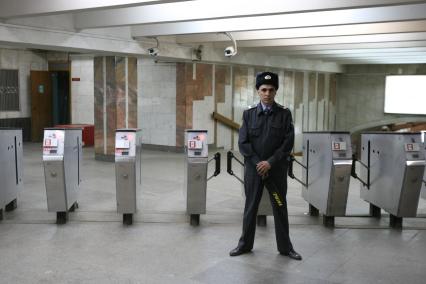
217	161
229	158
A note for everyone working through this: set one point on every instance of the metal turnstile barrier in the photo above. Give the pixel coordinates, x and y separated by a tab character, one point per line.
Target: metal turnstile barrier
62	154
265	208
392	175
128	144
326	166
11	168
196	149
423	192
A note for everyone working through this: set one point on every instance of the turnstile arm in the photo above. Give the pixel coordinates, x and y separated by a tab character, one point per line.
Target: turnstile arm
355	175
216	158
231	156
290	170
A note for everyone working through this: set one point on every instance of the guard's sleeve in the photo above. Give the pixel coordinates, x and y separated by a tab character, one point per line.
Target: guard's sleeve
287	145
244	143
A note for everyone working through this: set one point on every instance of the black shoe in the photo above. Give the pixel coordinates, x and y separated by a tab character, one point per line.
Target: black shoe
292	254
238	251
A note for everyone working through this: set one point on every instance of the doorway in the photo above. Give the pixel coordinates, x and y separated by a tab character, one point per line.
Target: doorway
50	103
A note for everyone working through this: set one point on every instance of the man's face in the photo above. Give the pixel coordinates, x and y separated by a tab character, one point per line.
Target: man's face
267	94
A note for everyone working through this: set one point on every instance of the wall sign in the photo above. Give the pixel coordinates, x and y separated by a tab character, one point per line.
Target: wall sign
40	89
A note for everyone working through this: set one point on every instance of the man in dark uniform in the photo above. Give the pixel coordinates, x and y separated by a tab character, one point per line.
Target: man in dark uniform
266	139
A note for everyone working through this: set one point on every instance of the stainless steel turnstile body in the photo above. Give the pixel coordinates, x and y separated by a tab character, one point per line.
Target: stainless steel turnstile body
11	167
62	154
423	192
195	177
128	173
393	174
328	160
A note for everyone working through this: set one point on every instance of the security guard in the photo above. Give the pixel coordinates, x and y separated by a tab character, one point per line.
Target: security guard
266	139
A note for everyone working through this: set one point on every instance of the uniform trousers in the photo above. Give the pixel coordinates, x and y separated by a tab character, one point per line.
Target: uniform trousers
253	187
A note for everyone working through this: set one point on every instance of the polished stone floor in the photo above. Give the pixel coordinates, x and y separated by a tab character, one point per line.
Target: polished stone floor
161	247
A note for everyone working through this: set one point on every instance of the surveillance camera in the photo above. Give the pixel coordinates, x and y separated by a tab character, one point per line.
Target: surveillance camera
230	51
153	51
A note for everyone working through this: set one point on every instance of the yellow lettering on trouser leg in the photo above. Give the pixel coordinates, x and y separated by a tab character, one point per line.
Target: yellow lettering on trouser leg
277	199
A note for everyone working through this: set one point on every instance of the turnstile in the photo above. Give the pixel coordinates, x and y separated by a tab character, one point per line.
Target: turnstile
11	168
128	173
196	149
265	207
423	192
62	156
394	165
327	160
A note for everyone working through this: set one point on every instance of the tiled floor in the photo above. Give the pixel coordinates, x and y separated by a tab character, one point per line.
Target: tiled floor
161	247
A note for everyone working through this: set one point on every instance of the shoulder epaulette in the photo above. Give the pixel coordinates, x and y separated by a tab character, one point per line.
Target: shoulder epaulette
278	105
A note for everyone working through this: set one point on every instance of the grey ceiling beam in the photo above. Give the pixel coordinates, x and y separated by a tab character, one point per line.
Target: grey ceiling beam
323	31
323	47
372	57
363	55
218	9
307	53
29	8
397	37
308	19
383	61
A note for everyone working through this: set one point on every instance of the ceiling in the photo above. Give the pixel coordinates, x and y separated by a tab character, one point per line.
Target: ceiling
343	31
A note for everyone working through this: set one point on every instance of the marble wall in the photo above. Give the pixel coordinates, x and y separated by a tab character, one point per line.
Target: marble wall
223	104
115	89
178	96
156	106
82	91
229	90
194	101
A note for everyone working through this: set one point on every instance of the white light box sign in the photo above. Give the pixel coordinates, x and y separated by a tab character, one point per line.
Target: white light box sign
405	94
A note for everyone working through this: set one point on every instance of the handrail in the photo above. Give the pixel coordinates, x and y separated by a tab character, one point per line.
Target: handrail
226	121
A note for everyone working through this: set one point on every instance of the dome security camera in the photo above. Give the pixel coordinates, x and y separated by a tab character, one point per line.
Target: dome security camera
230	51
153	51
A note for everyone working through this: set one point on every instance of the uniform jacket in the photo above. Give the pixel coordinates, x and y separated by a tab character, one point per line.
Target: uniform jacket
267	137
